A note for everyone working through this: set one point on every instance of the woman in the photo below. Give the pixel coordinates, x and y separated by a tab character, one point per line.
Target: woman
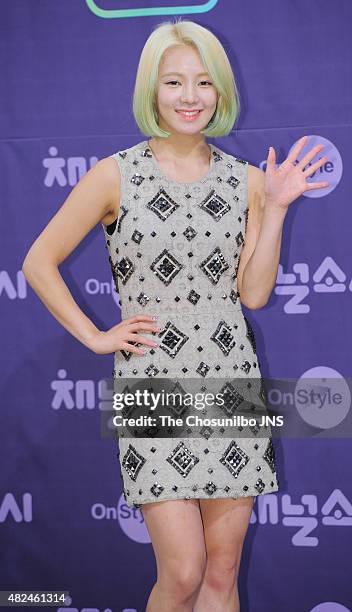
192	233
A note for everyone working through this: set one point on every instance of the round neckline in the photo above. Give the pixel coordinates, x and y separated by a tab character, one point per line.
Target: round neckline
169	179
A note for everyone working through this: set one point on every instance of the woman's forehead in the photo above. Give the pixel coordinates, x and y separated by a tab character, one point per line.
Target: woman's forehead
182	59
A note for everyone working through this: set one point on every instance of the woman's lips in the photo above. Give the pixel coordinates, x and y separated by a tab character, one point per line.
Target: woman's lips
189	117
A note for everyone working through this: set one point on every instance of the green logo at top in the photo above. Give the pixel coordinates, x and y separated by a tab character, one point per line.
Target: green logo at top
203	7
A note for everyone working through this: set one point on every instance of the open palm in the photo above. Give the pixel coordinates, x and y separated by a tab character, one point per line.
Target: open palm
286	183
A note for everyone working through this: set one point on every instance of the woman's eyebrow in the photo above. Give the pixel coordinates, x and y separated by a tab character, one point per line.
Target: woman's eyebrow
182	74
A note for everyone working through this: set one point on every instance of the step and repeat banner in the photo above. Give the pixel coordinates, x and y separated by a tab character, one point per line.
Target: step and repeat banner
67	71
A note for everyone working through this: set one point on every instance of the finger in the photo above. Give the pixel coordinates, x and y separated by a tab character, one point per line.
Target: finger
311	169
294	153
309	156
143	327
132	349
140	339
271	160
318	185
138	317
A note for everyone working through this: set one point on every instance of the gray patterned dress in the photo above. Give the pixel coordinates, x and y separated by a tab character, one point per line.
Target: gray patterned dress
174	252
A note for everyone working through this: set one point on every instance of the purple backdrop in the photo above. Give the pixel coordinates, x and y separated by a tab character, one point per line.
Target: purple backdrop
67	74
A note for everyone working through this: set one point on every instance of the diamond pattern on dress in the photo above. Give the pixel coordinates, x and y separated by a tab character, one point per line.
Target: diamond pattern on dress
203	368
124	269
193	297
173	339
189	233
259	485
234	295
182	459
137	179
223	337
114	274
214	265
191	308
217	156
269	455
127	354
234	458
250	334
210	488
255	428
137	236
143	299
233	181
151	370
166	266
232	399
246	366
206	432
146	153
215	205
133	462
239	239
156	489
162	205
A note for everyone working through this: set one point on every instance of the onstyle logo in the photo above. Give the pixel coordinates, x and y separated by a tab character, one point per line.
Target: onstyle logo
129	518
322	397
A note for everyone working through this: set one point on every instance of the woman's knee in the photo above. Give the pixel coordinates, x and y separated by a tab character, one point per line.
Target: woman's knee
222	570
183	575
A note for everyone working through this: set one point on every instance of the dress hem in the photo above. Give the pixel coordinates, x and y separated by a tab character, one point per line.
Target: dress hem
198	496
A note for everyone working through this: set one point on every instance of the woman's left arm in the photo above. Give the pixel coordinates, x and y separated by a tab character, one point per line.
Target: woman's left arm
269	197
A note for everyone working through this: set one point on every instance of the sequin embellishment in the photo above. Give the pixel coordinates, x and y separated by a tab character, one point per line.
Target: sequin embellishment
174	252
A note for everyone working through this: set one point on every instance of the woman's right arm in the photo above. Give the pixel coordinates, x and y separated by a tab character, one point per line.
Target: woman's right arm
93	200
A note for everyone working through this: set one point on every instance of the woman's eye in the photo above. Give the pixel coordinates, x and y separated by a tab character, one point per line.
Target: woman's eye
171	82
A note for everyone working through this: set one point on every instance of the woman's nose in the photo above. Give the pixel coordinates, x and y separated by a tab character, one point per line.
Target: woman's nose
189	94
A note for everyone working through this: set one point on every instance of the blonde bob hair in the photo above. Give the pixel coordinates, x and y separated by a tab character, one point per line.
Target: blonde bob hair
215	60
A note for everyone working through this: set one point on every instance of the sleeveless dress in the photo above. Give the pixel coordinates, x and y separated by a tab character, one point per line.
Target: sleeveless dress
174	252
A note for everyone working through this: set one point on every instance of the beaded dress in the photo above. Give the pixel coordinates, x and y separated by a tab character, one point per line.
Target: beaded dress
174	252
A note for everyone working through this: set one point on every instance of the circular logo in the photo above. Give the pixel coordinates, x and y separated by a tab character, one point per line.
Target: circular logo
322	397
330	606
331	171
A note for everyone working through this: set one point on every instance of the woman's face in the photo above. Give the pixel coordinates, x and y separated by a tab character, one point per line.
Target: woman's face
184	84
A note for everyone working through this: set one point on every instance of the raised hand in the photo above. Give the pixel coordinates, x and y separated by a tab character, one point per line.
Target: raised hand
286	183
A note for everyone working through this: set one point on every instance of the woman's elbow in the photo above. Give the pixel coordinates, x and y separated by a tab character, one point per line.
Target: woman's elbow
252	305
27	265
31	265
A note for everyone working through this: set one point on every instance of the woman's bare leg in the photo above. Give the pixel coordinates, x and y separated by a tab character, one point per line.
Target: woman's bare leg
225	526
176	532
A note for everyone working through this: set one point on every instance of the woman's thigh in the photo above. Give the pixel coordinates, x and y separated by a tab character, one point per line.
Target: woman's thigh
176	532
225	523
